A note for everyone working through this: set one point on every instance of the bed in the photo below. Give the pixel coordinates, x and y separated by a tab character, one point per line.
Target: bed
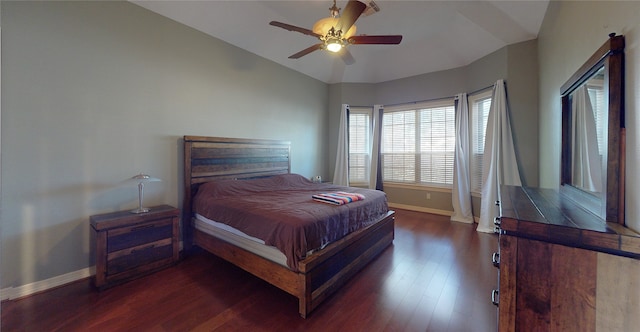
310	273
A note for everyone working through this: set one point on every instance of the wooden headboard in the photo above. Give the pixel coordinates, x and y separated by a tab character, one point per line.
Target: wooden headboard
216	158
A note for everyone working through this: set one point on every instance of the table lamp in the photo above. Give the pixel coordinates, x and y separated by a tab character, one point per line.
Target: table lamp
141	179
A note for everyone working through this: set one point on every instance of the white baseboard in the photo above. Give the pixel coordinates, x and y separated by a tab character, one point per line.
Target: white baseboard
12	293
421	209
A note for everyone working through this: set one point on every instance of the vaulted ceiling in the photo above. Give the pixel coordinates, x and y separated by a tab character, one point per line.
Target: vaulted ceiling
438	35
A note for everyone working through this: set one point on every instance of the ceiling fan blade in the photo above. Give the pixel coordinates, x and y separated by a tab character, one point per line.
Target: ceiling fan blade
294	28
306	51
386	39
347	57
350	14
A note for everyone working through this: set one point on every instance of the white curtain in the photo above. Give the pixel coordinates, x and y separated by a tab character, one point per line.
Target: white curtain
375	178
461	193
586	167
341	171
499	161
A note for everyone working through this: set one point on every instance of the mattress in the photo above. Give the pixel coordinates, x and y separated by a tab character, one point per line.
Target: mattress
239	239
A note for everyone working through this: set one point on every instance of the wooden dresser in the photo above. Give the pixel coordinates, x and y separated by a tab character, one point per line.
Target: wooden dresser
562	268
131	245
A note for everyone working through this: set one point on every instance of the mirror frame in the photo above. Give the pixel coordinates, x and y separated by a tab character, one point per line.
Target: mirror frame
610	206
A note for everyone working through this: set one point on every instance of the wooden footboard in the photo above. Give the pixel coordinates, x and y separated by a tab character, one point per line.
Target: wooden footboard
331	268
321	274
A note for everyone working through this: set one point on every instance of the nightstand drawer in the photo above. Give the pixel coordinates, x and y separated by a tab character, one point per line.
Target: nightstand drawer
133	236
134	257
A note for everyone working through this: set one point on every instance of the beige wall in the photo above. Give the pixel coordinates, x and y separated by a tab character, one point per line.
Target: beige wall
517	64
94	92
571	32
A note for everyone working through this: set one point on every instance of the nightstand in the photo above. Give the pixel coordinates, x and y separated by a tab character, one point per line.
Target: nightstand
130	245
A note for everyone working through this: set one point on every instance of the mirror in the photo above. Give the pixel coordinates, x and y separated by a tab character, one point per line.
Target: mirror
592	170
587	138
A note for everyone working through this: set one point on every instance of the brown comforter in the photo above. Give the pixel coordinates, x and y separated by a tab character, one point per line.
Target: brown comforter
280	211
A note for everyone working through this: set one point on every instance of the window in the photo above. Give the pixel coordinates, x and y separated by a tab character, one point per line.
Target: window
359	145
418	143
479	106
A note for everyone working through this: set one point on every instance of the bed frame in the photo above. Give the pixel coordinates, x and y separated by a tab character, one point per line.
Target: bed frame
321	274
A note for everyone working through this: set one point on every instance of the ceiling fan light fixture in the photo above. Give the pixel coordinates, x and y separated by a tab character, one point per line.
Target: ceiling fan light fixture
333	45
339	31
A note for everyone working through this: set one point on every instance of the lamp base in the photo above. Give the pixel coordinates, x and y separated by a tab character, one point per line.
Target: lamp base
140	210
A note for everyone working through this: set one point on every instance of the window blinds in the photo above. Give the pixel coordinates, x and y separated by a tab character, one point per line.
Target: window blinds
479	115
359	145
418	143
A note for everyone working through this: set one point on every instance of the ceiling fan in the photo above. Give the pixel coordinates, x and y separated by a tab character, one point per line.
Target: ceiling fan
338	31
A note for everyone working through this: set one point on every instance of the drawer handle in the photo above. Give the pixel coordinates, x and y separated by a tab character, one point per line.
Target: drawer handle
495	259
138	228
498	203
497	230
495	297
497	221
151	246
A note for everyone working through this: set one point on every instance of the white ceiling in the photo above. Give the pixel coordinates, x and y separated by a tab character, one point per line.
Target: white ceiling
438	35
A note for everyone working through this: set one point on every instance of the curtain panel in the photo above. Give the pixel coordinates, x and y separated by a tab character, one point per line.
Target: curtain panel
375	175
341	171
586	168
461	191
499	164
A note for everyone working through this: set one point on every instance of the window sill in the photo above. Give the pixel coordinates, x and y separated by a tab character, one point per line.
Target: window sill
417	187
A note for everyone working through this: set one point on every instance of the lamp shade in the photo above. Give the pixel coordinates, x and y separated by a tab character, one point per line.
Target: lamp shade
144	178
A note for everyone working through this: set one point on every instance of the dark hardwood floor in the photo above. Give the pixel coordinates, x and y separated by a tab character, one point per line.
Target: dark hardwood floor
437	276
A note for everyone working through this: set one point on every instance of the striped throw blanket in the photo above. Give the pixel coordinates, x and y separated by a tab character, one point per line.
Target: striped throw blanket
338	198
